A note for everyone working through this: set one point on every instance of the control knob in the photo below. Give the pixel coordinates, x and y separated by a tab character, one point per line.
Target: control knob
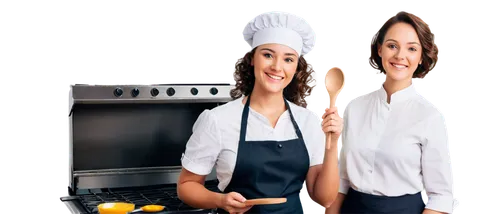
118	92
135	92
170	92
154	92
214	91
194	91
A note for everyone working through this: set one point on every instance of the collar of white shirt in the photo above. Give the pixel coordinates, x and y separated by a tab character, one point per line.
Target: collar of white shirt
399	96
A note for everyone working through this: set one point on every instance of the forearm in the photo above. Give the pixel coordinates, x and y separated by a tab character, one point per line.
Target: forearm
326	186
428	211
335	208
196	195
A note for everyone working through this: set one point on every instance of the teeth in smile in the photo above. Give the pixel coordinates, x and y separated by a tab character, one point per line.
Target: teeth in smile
399	66
275	77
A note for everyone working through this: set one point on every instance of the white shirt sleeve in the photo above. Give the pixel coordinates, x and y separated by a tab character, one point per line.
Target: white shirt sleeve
436	168
344	180
315	138
203	146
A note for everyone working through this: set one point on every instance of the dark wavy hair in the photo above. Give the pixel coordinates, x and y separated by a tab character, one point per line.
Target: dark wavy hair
295	91
426	37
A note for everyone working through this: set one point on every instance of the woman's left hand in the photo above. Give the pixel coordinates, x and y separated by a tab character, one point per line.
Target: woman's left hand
332	123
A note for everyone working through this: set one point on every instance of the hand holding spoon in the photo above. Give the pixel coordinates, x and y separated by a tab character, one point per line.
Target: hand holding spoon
334	84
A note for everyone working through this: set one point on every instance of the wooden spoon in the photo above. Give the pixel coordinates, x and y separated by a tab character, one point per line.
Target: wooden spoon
334	82
262	201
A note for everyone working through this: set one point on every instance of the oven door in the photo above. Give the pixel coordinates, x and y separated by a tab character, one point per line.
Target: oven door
130	144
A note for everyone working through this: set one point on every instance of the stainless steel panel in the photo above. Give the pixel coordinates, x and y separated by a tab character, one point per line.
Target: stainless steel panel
68	135
183	93
73	206
94	179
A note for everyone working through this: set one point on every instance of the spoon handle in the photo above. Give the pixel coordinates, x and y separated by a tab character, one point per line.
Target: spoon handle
329	134
328	141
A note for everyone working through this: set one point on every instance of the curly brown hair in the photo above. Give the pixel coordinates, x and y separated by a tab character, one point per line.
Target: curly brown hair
426	37
295	92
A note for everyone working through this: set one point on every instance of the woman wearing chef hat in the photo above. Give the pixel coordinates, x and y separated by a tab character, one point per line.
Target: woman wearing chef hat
264	143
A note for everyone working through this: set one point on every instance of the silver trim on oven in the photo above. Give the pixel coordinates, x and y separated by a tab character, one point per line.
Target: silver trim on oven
183	93
68	135
116	178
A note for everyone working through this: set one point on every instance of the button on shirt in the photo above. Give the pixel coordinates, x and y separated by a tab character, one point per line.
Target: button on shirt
214	142
397	148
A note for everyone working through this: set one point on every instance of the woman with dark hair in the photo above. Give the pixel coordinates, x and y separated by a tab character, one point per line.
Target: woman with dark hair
264	143
394	144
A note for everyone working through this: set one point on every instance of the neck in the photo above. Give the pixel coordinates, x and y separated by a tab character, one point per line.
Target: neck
393	86
265	102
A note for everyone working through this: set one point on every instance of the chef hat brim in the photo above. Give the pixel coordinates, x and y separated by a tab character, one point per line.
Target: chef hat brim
280	28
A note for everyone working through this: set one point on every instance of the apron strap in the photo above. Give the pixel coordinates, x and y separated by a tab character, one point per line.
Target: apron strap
297	130
244	120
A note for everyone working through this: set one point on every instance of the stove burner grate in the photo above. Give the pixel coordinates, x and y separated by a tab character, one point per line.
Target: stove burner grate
165	196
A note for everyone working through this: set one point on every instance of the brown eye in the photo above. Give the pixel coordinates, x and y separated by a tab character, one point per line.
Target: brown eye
289	60
267	55
392	46
412	49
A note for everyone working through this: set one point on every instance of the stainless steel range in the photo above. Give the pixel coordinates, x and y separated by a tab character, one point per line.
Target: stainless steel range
126	142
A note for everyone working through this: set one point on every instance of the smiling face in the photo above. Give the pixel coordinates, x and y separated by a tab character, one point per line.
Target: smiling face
274	67
401	52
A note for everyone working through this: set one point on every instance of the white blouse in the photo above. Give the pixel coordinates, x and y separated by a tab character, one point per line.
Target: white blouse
397	148
216	133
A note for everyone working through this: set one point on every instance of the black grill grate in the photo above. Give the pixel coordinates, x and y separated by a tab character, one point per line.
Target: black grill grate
166	196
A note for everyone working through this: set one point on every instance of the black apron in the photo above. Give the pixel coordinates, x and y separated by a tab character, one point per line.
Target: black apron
270	169
362	203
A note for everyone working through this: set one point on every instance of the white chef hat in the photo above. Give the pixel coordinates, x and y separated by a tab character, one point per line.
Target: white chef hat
281	28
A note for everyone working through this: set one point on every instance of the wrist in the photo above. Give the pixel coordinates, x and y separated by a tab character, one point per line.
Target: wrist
218	199
335	138
333	148
333	143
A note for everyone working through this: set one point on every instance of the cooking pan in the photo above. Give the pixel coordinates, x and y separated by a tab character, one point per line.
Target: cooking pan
127	208
115	208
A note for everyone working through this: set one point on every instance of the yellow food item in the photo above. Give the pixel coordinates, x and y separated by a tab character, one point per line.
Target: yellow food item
115	208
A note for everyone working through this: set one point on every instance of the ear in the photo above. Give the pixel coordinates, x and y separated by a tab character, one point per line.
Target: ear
251	62
379	47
